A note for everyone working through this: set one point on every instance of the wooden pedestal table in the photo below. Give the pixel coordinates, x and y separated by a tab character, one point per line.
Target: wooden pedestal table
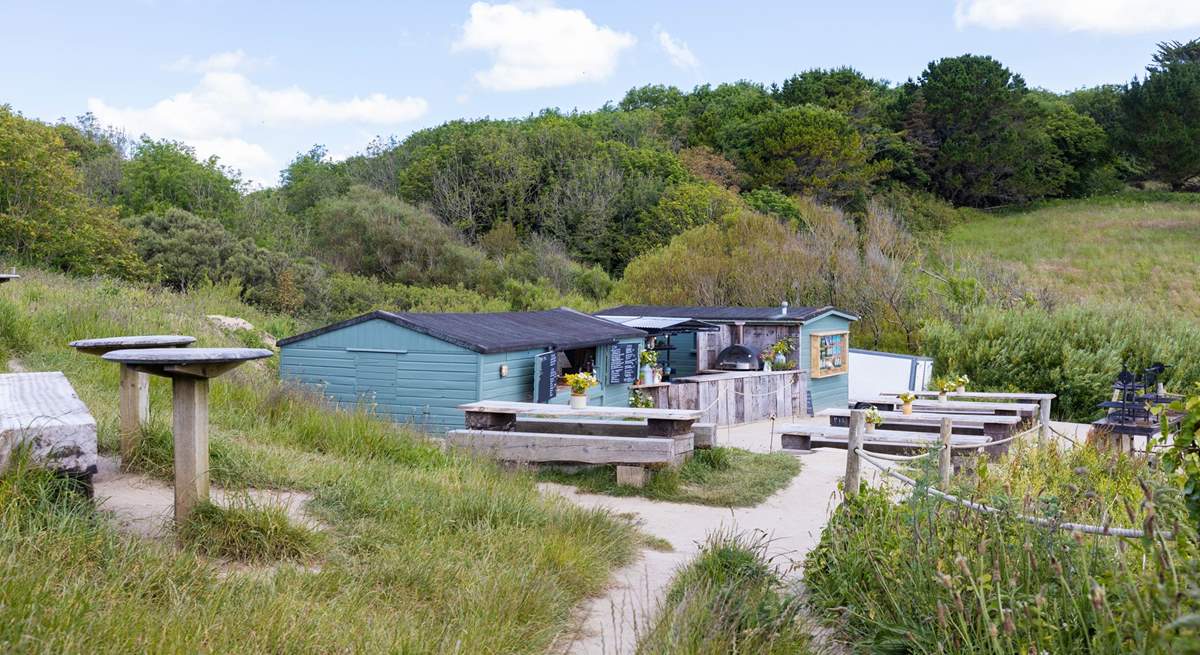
135	386
5	277
189	370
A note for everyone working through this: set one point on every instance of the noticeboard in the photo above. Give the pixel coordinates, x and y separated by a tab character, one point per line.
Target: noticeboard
622	363
545	377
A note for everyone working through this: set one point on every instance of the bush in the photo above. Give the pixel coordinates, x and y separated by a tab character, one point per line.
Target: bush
922	575
1075	352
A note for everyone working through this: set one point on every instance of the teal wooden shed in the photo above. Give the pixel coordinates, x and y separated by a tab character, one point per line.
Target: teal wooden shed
417	368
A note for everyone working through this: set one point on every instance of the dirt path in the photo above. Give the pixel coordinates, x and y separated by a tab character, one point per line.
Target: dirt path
143	506
792	519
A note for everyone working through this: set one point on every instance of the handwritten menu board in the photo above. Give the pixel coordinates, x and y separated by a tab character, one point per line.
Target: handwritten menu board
623	363
546	376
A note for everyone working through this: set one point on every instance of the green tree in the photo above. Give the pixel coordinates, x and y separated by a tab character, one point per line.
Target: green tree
44	216
163	174
1162	115
841	89
766	200
975	123
807	150
182	248
310	177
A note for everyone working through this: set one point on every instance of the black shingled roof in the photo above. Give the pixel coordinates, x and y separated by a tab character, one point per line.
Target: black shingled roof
561	328
723	313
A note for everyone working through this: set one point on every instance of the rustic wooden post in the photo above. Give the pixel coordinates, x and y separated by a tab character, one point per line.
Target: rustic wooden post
134	409
858	422
189	425
944	453
1044	419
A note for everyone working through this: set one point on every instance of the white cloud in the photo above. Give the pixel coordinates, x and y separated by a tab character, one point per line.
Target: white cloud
677	51
1108	16
213	116
534	46
222	61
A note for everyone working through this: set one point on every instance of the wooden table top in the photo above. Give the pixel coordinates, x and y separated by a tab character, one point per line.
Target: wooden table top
879	436
982	395
109	344
185	356
953	405
5	277
543	409
964	420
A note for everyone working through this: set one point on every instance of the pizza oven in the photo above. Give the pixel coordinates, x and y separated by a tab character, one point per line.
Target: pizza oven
737	357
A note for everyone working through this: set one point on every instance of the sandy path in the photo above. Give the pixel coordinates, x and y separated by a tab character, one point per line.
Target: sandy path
792	519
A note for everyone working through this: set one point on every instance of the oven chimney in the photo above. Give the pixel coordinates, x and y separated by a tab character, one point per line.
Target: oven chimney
736	331
783	308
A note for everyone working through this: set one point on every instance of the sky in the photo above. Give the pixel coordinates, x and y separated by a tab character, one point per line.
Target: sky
257	82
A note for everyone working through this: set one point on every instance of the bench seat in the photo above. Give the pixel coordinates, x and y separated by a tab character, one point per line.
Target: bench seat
43	411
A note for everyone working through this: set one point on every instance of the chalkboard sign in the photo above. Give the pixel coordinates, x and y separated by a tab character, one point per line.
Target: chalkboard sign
545	384
623	363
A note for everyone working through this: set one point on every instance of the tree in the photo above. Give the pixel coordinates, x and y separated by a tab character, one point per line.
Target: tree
182	248
841	89
310	177
163	174
806	150
1162	115
43	215
983	148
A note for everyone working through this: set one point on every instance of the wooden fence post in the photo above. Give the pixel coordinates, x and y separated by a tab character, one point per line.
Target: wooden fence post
858	422
944	453
1044	419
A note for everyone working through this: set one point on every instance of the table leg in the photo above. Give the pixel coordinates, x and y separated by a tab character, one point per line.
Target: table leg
1044	420
190	430
134	410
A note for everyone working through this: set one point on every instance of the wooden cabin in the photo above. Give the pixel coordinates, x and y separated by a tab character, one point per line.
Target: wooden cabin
417	368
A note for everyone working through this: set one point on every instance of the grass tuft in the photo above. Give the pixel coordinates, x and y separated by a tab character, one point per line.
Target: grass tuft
722	476
250	532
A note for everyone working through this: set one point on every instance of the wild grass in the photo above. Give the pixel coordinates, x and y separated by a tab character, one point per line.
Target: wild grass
729	599
422	552
919	575
724	477
1139	247
247	531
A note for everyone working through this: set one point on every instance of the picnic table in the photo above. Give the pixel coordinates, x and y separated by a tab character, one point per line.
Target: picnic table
990	425
6	277
189	370
134	399
1042	400
631	438
808	436
892	403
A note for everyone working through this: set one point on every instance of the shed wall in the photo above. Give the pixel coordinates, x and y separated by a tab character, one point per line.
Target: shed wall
827	392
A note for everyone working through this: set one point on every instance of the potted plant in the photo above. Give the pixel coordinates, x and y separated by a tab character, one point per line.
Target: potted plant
640	400
874	418
945	386
779	353
961	383
906	400
648	359
580	383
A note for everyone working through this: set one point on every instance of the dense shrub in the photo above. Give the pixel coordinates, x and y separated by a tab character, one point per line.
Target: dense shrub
1075	352
911	573
164	174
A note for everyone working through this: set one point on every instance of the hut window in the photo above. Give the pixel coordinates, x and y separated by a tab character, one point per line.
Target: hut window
830	353
577	360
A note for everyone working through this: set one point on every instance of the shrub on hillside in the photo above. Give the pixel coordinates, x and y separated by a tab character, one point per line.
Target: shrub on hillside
1075	352
163	174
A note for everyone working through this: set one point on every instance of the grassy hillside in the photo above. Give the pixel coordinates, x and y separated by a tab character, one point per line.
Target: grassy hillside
421	551
1144	248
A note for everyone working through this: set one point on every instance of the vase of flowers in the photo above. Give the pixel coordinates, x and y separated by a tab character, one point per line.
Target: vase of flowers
962	382
906	401
779	353
580	383
648	359
945	386
874	418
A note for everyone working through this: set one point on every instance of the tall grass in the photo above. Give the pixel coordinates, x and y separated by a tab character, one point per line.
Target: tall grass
920	575
729	599
423	552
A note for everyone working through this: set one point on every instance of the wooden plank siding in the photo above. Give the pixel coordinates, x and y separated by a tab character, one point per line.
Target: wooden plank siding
406	376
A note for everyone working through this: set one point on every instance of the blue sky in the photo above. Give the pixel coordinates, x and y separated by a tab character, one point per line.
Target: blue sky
257	82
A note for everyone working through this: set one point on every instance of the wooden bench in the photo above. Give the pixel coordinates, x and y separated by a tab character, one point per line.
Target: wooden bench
892	403
42	411
1042	400
630	438
990	425
807	437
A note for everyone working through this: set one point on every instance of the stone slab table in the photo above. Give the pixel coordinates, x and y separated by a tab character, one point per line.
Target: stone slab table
135	386
190	370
